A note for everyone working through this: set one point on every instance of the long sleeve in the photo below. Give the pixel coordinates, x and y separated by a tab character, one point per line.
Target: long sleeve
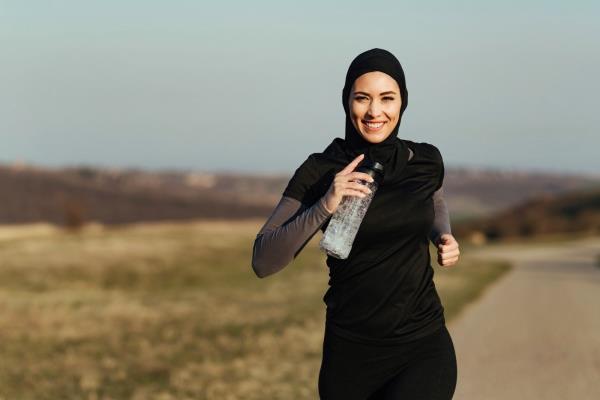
289	228
441	223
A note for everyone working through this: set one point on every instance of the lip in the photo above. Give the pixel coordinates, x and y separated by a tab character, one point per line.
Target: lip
373	122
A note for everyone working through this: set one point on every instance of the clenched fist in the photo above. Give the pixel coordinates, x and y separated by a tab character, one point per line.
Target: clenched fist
448	251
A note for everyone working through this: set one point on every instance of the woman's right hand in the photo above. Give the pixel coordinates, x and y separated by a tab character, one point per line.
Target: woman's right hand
343	185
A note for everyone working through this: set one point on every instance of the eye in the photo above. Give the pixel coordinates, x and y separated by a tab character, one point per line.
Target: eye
360	98
388	98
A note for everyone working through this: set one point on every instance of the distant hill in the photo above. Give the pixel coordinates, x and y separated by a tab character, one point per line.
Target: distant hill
74	195
71	195
475	193
576	211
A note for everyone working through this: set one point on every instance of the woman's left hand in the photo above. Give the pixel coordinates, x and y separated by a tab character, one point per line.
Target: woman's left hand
448	251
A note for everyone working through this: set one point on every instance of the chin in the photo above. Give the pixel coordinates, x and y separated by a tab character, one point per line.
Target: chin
375	138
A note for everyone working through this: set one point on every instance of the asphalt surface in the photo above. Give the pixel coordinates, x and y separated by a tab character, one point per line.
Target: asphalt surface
535	333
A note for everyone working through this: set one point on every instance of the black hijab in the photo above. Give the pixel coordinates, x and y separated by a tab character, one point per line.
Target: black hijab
392	152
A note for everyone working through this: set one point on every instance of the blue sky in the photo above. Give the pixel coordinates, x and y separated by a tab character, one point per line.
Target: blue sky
256	86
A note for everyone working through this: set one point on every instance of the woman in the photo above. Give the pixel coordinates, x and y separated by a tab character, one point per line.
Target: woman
385	333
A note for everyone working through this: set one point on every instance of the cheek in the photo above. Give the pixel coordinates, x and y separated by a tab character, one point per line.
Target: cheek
393	111
394	114
355	118
358	110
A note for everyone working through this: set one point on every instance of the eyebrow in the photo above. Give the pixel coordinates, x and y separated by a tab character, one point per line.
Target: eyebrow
381	94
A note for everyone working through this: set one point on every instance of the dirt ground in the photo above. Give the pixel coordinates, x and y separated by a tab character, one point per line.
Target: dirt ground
535	333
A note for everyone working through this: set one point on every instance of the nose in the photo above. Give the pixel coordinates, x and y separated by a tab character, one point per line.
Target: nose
374	109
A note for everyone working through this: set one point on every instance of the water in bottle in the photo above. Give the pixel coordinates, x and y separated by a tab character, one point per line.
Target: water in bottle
345	221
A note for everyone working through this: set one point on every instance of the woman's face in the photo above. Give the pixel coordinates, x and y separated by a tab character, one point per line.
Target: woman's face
374	105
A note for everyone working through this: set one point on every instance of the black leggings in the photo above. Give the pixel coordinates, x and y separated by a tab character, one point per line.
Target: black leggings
422	369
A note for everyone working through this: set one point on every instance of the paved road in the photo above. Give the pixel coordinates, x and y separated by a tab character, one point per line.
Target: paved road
534	334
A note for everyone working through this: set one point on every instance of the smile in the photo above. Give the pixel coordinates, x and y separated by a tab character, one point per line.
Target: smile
373	126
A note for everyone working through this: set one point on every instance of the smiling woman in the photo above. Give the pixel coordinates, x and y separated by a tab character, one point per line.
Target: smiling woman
385	333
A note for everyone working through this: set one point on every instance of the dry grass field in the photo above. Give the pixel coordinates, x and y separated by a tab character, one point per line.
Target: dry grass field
169	311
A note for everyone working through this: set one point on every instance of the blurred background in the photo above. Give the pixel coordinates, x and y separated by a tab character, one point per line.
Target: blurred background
144	144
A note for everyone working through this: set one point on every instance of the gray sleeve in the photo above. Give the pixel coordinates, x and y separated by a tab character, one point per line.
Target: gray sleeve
289	228
441	223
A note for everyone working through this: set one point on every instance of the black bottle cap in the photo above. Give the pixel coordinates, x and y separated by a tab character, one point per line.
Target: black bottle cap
373	168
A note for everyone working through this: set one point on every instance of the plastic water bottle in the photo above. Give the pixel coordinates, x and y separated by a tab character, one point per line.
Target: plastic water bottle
345	221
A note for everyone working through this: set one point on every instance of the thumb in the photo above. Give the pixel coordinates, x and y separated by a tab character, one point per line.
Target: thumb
439	242
444	239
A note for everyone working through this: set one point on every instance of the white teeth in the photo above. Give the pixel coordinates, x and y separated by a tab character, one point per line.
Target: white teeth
375	126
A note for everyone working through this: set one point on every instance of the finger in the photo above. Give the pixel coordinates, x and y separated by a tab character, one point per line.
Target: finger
350	167
447	247
360	176
447	250
359	186
352	192
450	254
449	263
